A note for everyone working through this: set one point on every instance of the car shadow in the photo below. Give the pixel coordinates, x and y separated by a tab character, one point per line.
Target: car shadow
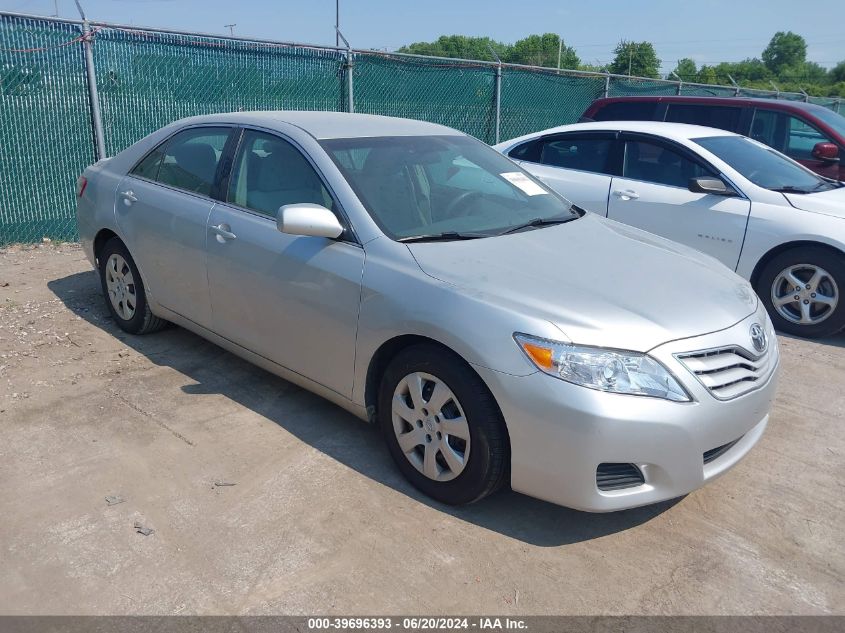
339	434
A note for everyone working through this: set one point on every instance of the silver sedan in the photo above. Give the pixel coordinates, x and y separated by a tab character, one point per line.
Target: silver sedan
409	273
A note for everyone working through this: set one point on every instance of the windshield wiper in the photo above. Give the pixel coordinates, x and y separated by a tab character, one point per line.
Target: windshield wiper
790	189
446	236
539	222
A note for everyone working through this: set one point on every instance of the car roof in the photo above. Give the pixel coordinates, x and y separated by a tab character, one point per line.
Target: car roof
674	131
771	103
329	125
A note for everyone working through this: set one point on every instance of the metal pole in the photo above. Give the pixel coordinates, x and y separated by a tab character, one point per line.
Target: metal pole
806	96
498	94
498	101
93	93
337	23
735	85
607	86
349	87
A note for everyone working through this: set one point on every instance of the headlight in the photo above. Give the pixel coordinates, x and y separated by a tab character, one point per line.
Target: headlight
606	370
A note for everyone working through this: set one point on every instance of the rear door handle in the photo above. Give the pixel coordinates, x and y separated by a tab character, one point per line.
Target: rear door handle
223	233
128	197
628	194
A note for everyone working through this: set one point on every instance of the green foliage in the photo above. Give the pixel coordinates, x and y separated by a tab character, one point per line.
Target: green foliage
686	70
638	59
462	46
783	62
785	50
534	50
542	50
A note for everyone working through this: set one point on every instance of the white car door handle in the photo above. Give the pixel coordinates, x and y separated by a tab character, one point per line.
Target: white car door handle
223	232
128	197
628	194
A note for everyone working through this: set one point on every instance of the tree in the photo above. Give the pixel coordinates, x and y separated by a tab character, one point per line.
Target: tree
785	50
635	58
462	46
837	73
686	70
542	50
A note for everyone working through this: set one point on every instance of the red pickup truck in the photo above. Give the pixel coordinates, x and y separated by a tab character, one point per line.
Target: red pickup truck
809	133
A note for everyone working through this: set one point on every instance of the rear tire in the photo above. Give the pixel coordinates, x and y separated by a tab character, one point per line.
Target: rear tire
442	425
802	289
124	291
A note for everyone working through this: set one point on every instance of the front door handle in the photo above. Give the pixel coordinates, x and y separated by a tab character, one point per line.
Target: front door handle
128	197
223	233
627	194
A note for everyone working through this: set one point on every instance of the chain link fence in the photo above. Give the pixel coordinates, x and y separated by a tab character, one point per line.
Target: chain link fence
148	78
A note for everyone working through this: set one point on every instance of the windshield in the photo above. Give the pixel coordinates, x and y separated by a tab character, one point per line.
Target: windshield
763	166
433	185
834	120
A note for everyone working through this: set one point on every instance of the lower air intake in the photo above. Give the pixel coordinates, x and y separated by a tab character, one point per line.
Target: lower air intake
617	476
716	453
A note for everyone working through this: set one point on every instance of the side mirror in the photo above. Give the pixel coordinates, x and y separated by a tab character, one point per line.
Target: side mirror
308	219
708	184
826	151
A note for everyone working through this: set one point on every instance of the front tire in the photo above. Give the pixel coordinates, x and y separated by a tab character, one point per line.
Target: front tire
442	425
802	289
123	289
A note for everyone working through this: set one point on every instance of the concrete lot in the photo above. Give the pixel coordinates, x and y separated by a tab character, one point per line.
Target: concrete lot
319	520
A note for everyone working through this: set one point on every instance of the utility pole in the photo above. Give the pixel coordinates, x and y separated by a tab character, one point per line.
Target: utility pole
231	28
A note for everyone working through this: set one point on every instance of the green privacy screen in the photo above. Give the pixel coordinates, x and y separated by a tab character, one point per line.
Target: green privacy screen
147	79
45	129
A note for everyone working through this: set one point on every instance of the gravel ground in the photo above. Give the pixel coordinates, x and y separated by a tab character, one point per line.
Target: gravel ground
263	499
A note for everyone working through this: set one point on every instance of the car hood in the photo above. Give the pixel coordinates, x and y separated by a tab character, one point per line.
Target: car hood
828	202
602	283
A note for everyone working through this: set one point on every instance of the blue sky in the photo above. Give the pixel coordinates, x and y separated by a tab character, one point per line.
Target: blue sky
709	31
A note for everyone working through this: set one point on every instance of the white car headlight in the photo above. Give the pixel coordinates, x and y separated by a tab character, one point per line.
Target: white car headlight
614	371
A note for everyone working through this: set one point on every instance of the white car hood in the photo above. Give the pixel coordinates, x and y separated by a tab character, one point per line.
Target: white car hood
828	202
602	283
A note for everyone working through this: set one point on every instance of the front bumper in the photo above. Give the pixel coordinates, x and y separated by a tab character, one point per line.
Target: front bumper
560	432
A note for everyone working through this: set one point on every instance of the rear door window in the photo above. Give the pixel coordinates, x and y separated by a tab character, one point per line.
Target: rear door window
627	111
191	157
584	152
721	117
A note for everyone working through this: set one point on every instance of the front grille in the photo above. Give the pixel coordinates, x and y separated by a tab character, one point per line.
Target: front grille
716	453
729	372
616	476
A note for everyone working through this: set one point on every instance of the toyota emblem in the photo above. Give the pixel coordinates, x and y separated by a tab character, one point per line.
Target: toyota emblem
758	338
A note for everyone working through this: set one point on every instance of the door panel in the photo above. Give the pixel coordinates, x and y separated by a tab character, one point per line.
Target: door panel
165	233
291	299
709	223
587	190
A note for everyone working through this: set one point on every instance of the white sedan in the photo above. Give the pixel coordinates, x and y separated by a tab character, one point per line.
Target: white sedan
760	213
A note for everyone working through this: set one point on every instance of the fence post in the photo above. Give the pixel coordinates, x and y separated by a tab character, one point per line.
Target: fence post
93	93
607	85
498	100
350	95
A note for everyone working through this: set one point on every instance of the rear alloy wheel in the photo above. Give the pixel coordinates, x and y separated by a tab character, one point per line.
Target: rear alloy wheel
442	425
124	290
802	289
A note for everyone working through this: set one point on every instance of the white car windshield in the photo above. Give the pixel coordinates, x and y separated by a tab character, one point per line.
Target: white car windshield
446	187
764	166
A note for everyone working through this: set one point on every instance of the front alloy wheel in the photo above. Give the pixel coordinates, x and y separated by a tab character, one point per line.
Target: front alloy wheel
805	294
801	290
